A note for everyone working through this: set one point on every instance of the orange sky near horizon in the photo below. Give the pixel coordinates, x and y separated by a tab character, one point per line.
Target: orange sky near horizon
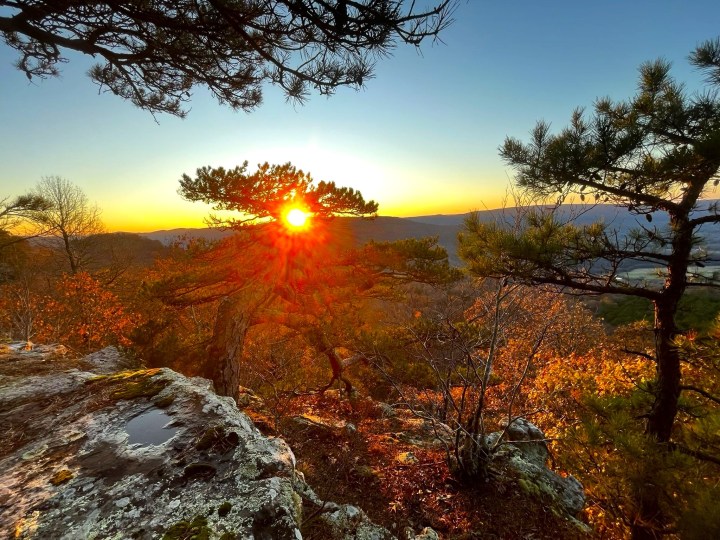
149	216
436	188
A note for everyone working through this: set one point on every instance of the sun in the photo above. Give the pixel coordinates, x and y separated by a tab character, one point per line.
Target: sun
296	218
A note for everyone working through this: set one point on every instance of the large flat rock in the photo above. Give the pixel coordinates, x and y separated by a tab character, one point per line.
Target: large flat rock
92	453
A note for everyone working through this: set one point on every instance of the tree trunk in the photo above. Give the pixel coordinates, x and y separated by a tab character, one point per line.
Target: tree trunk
667	358
338	372
649	520
667	383
69	253
231	327
648	513
472	458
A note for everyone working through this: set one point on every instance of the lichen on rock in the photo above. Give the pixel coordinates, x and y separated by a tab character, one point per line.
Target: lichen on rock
77	475
526	455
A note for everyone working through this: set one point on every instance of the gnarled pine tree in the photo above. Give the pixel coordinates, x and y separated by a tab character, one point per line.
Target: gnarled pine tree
304	280
657	153
263	197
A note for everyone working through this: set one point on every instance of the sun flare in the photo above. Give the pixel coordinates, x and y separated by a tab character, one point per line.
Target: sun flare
296	218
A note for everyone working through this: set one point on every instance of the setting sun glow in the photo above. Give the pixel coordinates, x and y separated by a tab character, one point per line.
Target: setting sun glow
296	218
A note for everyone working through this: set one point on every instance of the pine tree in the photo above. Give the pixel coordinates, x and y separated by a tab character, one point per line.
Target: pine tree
155	53
656	153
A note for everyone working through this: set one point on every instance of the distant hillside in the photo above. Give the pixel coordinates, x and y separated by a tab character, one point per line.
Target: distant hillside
167	237
388	229
107	249
117	249
580	214
357	231
447	226
617	217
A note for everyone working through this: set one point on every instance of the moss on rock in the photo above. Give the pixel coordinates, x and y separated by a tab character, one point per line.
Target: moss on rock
143	385
224	509
61	477
132	384
195	529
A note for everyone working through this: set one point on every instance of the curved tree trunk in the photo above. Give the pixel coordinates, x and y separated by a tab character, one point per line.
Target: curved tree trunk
649	521
322	344
338	371
667	358
231	327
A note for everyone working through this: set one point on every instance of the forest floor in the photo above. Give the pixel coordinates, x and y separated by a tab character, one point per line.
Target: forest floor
353	452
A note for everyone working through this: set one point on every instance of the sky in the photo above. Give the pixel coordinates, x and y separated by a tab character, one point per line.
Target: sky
421	138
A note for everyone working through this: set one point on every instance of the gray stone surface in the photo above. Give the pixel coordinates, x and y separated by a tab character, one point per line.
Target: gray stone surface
527	455
91	452
70	470
108	360
427	534
350	523
97	453
529	439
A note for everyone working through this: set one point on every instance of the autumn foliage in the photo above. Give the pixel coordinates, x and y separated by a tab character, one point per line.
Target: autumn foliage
83	315
303	316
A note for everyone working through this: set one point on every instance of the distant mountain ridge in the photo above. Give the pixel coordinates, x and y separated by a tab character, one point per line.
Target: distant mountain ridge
447	226
582	214
579	214
617	217
168	236
358	231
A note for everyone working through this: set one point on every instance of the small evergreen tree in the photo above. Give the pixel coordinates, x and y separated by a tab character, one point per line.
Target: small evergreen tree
658	152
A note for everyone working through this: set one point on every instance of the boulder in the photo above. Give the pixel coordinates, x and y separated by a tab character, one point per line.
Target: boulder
249	399
109	360
526	454
529	439
137	454
406	458
386	410
426	534
420	432
322	427
520	452
348	522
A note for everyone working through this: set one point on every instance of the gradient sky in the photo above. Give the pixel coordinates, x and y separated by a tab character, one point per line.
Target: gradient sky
421	138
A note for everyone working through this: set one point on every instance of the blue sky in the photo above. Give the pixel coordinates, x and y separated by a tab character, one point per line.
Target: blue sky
421	138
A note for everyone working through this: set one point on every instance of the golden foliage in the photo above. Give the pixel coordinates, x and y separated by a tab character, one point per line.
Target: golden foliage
83	315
